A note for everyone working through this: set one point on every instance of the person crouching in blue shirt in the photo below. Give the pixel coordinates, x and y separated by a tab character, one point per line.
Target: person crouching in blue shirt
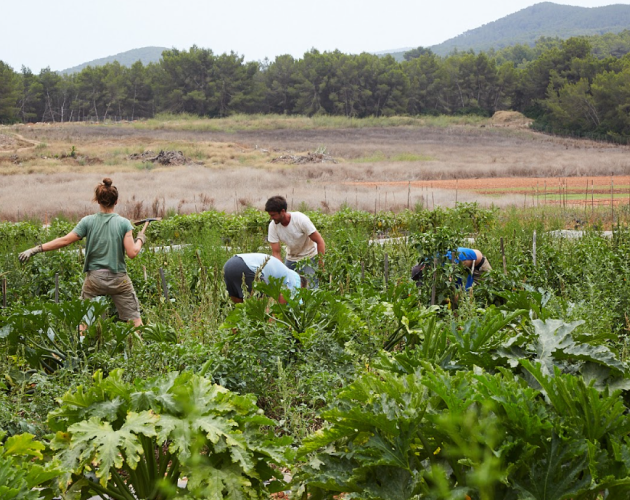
472	259
248	264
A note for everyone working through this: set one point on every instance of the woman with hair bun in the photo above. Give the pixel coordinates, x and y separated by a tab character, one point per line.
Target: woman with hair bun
108	237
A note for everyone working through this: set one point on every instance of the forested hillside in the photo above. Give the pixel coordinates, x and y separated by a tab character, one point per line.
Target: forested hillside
543	19
579	85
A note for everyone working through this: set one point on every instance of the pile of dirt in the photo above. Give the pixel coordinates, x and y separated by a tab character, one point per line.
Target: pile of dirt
300	160
169	158
511	119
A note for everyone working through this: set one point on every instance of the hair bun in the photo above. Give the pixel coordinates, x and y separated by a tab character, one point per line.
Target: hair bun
107	181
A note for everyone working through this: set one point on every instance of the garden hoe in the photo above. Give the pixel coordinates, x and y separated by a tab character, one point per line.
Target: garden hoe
146	221
150	219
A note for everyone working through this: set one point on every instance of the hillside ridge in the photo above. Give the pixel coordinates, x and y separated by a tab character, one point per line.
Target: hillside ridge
145	55
542	19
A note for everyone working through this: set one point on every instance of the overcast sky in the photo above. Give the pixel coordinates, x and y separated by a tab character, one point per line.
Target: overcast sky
65	33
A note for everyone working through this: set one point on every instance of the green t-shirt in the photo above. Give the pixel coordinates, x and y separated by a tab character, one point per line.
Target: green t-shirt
104	247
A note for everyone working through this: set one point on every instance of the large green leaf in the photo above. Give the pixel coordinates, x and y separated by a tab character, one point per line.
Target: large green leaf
23	445
554	341
595	413
105	447
561	474
24	472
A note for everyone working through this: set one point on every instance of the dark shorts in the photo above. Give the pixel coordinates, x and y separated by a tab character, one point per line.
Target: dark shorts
307	269
233	272
307	266
118	286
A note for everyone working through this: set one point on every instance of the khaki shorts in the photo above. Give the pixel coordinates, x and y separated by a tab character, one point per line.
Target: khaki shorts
484	268
118	286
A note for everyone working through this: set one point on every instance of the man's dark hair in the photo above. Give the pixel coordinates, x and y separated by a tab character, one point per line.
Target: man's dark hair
303	282
276	204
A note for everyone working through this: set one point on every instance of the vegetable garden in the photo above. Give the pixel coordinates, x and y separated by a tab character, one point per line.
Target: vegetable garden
367	387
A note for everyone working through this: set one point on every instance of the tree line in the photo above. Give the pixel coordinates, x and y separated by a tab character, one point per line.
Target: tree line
564	85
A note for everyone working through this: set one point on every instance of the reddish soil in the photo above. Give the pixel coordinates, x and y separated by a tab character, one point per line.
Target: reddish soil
554	187
505	185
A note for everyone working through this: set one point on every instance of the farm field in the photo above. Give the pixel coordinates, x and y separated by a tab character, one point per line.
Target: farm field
230	164
371	386
368	386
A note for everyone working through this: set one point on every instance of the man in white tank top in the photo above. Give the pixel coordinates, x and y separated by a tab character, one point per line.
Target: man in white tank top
297	232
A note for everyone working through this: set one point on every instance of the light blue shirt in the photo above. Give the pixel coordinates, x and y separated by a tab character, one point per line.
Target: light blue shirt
273	268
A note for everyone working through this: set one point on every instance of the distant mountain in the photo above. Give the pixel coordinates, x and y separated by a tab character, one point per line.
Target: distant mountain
393	51
543	19
145	54
528	25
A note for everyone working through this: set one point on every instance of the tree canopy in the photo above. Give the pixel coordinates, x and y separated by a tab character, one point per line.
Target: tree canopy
580	85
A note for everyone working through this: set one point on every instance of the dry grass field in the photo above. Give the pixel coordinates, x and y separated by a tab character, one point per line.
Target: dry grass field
49	170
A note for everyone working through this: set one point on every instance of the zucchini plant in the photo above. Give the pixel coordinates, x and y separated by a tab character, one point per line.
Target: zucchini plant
25	472
47	335
135	440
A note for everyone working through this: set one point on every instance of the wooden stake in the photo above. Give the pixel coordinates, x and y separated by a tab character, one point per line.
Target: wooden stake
56	288
612	202
434	286
375	198
586	198
386	269
164	285
456	190
534	249
503	256
592	197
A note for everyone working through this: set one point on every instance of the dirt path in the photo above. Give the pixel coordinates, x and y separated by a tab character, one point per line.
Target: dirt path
15	143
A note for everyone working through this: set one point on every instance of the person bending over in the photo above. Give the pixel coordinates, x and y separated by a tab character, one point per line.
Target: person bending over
472	259
108	237
248	264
